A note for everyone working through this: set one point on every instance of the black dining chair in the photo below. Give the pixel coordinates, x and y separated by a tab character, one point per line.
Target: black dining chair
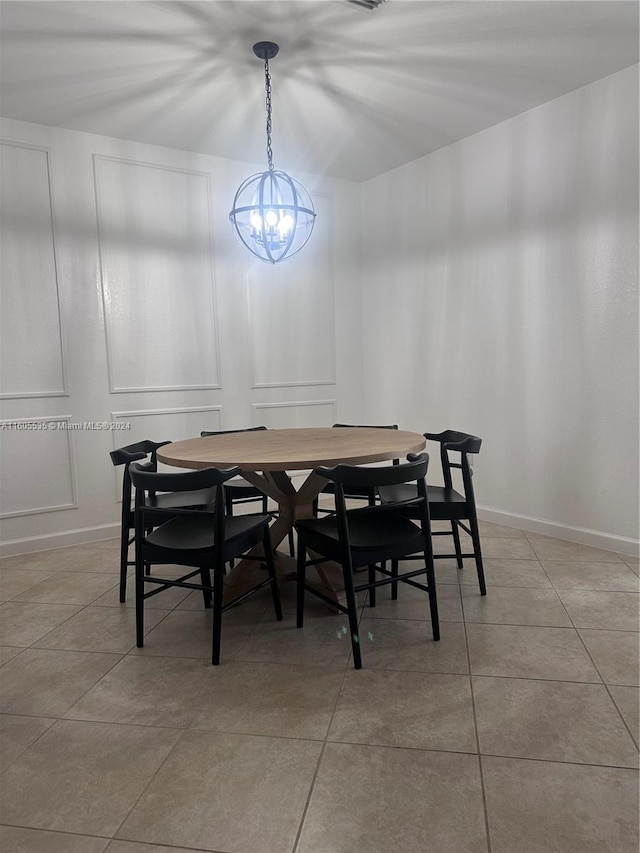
239	491
363	493
146	450
204	541
370	536
448	504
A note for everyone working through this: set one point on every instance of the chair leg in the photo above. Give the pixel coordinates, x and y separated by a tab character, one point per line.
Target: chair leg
271	569
228	502
433	596
372	579
301	577
456	541
394	585
139	568
218	588
477	553
292	549
125	541
205	579
352	608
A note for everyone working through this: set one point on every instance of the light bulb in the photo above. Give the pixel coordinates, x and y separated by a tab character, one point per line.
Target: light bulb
271	218
285	225
256	221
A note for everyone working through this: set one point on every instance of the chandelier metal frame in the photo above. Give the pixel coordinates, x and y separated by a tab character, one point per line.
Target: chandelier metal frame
272	214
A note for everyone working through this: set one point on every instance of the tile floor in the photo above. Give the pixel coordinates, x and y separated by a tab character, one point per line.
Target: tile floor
517	733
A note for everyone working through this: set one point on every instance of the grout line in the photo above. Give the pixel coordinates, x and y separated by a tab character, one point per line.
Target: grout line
485	806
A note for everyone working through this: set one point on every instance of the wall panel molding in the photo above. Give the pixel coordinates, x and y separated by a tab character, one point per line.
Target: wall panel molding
54	454
183	426
301	418
155	249
298	299
34	348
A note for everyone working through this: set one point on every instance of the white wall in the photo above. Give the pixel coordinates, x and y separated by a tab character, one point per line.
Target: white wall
126	299
500	297
497	286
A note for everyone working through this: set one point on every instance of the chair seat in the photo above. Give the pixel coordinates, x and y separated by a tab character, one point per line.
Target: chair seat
444	504
191	533
380	532
182	500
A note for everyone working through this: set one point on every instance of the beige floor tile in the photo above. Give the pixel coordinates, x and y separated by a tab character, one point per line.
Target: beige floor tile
18	733
515	606
78	558
267	699
499	531
582	574
99	629
320	642
506	549
551	720
617	611
252	609
46	683
166	600
412	709
188	634
83	777
547	548
68	588
529	652
412	603
632	562
616	655
372	799
135	847
627	700
227	792
147	691
447	572
13	839
23	623
403	644
8	652
15	581
497	572
541	806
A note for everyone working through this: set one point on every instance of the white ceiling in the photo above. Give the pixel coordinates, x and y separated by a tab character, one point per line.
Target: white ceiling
356	93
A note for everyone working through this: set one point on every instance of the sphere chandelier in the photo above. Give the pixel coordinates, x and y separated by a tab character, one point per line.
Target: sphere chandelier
272	214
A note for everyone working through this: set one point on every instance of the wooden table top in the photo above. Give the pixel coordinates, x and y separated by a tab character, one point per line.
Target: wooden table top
292	449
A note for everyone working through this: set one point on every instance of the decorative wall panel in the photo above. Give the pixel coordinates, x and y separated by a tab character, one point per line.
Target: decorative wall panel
48	482
291	313
157	276
31	348
163	425
307	413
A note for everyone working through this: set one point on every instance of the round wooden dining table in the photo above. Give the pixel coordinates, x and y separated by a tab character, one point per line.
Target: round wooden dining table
265	458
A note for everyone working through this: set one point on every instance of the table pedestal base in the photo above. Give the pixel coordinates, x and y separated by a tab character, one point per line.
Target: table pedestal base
292	505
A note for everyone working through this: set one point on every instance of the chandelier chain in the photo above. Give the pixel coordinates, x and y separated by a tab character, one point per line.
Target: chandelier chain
267	85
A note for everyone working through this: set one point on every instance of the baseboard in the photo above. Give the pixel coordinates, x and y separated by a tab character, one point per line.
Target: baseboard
581	535
59	540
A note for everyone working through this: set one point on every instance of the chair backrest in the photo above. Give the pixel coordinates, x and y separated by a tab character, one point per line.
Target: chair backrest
452	441
347	477
134	453
147	481
205	433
